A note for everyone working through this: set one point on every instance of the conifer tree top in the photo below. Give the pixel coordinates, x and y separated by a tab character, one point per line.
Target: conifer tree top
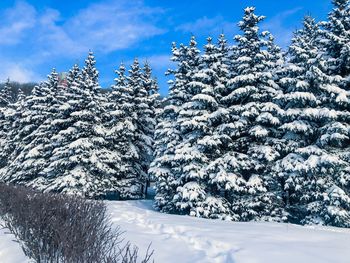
6	94
53	78
89	71
20	95
73	74
121	80
341	4
250	20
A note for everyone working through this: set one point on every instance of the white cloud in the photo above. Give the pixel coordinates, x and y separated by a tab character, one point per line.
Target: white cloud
276	26
18	73
104	27
213	26
44	35
16	21
113	25
53	38
208	26
158	62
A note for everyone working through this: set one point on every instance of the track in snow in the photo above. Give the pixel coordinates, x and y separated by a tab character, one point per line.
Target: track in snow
182	239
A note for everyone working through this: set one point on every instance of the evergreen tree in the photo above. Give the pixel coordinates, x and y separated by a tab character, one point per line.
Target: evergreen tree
253	124
306	169
151	86
336	38
80	162
73	75
335	135
89	71
198	120
131	126
335	76
144	124
20	96
6	95
4	128
6	111
43	141
22	150
122	135
220	66
336	51
165	168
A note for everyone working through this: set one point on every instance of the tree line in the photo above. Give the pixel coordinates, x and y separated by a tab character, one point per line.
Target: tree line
247	131
77	139
253	133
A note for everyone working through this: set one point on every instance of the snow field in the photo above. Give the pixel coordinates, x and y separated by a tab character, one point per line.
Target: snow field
10	250
184	239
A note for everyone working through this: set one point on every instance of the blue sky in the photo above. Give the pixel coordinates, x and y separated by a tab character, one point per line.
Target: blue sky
39	35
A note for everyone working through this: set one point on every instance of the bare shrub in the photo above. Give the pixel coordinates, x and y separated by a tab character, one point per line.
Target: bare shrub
59	228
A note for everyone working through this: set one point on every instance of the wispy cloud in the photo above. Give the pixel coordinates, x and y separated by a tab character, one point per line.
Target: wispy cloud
44	34
113	25
16	22
18	73
213	26
105	27
208	26
158	62
276	25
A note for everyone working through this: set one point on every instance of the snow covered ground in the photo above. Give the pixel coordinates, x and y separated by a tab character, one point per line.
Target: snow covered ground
10	251
182	239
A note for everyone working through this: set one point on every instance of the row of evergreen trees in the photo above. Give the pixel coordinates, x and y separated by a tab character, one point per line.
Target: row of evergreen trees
251	133
76	139
247	132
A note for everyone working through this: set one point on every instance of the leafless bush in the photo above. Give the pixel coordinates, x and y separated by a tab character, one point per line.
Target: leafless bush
59	228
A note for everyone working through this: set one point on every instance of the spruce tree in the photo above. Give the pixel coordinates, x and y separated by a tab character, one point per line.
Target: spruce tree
165	134
73	75
80	162
6	95
165	168
45	132
198	120
23	150
151	86
89	72
4	128
335	136
122	135
306	168
336	50
253	124
6	111
336	38
20	96
144	123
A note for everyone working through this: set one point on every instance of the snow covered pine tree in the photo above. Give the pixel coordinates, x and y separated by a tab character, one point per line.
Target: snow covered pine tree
253	124
132	120
167	167
198	120
24	141
6	111
308	167
80	162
